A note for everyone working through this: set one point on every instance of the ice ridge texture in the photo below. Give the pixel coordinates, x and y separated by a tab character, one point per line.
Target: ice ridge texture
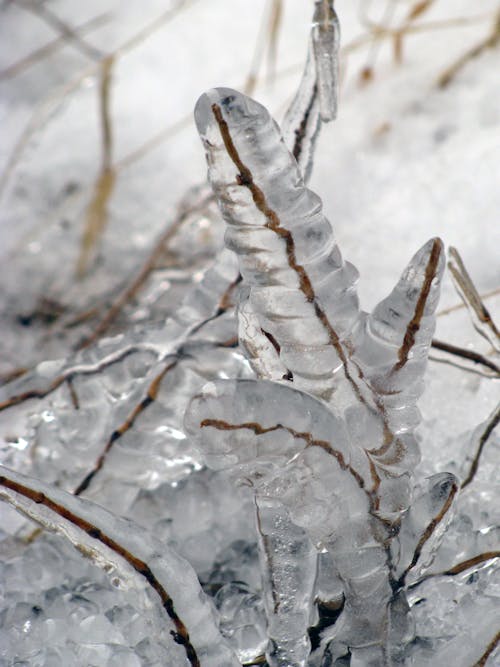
326	437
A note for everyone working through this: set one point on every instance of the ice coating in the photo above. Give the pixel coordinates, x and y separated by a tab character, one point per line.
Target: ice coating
131	395
288	255
301	295
292	449
432	505
121	545
301	326
326	40
288	562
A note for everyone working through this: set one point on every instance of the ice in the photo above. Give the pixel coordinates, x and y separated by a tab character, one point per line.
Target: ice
325	39
405	161
242	621
119	545
288	560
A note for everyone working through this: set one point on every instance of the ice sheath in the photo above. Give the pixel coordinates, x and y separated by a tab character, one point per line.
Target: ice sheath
348	484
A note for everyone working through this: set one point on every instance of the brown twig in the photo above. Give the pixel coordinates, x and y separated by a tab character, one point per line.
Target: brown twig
489	650
97	212
475	357
491	424
181	634
490	42
150	397
481	318
133	287
458	568
51	47
68	33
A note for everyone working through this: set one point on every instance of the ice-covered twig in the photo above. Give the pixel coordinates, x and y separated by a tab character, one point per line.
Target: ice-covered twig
127	548
424	524
481	318
304	294
291	448
482	435
459	568
277	228
469	355
325	42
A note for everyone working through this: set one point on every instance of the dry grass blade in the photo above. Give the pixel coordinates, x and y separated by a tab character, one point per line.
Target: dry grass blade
491	424
414	13
490	42
267	40
97	212
46	107
134	286
48	49
68	33
481	318
459	306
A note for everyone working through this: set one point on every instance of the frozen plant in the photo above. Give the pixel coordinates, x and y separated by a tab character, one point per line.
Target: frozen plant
323	438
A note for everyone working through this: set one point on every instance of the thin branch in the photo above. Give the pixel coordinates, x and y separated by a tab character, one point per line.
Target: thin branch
97	211
490	42
69	374
51	47
70	35
151	395
481	318
465	354
71	512
137	282
491	424
489	650
459	568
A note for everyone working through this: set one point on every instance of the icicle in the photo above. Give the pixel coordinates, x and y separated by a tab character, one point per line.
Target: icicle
122	546
392	348
326	40
289	565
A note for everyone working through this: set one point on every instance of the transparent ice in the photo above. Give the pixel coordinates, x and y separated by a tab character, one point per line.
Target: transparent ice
321	553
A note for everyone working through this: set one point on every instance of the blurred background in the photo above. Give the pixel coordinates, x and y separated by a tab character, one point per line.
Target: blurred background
99	155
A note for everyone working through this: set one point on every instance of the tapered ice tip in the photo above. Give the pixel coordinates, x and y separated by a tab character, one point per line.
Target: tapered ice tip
427	263
227	105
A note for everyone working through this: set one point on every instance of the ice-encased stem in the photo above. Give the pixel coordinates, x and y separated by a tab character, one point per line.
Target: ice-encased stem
288	565
287	251
326	40
129	549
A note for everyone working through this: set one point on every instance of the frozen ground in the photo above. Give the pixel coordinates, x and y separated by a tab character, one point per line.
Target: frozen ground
406	160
